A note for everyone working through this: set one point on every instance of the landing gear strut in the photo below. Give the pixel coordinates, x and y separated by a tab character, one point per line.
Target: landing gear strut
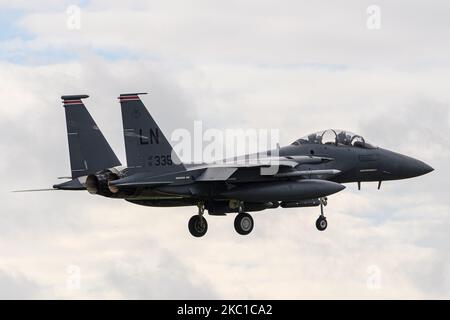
321	222
198	224
243	223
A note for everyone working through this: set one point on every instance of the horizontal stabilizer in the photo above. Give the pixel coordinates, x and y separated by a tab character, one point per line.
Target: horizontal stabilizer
73	184
36	190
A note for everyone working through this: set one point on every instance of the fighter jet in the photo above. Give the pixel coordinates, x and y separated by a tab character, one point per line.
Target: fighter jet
308	171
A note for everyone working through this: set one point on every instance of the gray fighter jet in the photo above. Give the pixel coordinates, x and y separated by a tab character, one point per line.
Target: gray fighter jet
308	170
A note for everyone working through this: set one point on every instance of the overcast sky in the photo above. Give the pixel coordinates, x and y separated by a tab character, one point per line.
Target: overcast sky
296	66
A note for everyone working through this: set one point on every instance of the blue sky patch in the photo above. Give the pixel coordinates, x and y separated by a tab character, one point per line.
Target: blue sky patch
8	25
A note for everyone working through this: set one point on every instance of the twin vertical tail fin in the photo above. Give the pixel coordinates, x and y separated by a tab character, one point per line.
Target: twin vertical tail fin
147	148
89	151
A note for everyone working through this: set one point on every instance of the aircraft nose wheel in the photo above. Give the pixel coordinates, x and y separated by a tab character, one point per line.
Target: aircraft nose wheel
243	223
198	226
321	223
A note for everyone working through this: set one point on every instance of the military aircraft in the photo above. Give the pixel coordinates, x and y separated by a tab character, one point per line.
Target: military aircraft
308	170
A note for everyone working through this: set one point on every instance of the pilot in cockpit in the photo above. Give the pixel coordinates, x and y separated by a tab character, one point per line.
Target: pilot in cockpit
314	138
344	138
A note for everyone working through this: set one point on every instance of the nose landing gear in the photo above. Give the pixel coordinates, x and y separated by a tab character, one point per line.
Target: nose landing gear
321	222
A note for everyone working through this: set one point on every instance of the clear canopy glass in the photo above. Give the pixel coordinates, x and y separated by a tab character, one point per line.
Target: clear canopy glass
335	137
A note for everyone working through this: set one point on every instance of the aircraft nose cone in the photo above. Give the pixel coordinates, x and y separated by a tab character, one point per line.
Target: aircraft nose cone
424	168
411	167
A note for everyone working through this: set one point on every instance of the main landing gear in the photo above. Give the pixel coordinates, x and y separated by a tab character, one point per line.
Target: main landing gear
243	223
198	224
321	222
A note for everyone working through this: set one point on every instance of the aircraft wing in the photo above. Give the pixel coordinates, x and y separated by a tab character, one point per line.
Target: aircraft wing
286	161
309	173
223	171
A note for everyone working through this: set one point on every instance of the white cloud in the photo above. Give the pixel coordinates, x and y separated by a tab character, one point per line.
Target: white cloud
257	32
17	286
298	67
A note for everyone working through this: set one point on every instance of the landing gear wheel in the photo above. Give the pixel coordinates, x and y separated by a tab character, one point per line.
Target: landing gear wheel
243	223
198	226
321	223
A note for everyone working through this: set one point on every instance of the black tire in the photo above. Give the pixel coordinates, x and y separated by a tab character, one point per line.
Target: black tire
321	223
243	223
198	226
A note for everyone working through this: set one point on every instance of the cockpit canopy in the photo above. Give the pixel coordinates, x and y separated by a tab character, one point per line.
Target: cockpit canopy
335	137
